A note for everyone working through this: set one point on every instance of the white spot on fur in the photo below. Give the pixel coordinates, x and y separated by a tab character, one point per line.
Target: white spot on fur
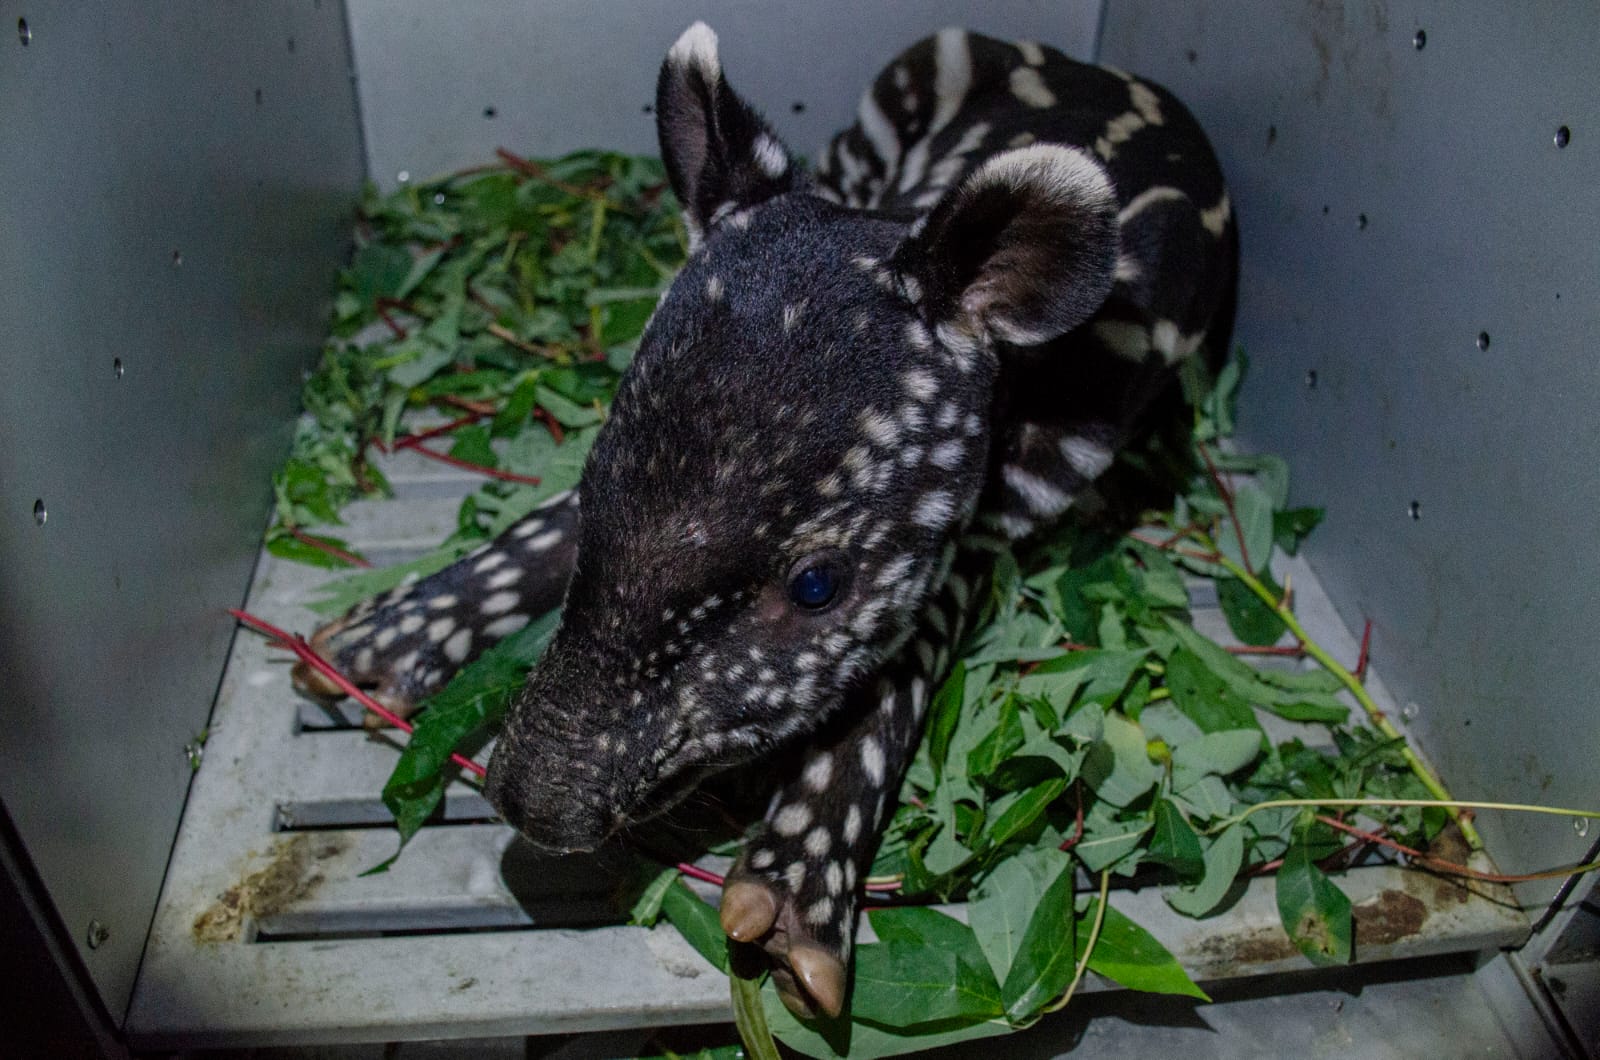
792	819
934	510
791	314
770	156
1029	87
441	628
833	877
852	825
489	562
762	858
456	648
947	454
818	842
819	772
1148	198
820	912
1123	338
879	428
501	579
795	875
714	289
411	623
872	760
499	602
1088	458
1041	496
1215	218
544	542
442	603
504	627
1032	54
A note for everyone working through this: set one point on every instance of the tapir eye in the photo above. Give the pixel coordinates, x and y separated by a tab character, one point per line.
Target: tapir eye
816	581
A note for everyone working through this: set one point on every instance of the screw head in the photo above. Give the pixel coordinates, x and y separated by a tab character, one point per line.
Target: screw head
98	934
1419	41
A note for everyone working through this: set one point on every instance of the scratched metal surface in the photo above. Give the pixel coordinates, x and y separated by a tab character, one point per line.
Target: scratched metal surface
136	134
1394	203
562	74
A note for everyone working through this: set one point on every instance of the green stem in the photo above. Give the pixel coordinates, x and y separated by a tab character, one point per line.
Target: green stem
1088	951
1447	803
751	1019
1379	720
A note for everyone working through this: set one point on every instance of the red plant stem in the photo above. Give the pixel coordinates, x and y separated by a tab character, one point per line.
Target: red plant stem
1438	864
880	888
697	873
492	472
529	168
323	546
1227	499
1208	557
394	325
551	424
1365	657
1077	828
410	441
482	408
308	655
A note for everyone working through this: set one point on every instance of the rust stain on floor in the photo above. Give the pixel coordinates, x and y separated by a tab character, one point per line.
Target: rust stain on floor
1388	917
292	873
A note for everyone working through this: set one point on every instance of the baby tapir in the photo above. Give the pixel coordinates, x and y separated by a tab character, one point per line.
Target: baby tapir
859	377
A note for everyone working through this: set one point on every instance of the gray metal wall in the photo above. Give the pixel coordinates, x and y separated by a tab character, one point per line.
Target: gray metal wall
563	74
177	183
1400	191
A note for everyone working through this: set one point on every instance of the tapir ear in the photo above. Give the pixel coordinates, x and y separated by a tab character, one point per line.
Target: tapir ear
1022	251
720	155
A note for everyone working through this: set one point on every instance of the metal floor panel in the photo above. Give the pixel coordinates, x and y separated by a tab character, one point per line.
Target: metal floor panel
473	934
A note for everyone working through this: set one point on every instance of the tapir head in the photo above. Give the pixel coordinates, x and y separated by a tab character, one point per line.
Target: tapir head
802	434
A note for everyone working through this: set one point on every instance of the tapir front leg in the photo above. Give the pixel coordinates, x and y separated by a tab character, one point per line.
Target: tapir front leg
795	889
406	644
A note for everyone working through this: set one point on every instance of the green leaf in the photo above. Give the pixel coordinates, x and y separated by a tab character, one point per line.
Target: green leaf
474	699
1224	857
943	715
1014	817
1248	616
697	922
1215	753
1118	767
648	908
1001	741
1254	510
472	445
1290	527
1128	954
901	984
1107	841
1003	904
1174	844
418	362
1315	913
377	271
1205	698
1043	963
292	548
865	1041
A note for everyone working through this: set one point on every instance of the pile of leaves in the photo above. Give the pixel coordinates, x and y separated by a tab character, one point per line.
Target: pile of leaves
1089	732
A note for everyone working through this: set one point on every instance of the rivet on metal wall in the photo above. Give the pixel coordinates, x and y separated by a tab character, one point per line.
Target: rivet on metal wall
291	45
489	112
39	512
1581	826
24	34
1410	711
649	108
1272	135
258	97
98	934
116	367
1415	510
438	198
797	107
1361	222
1311	379
403	177
1420	40
1483	340
1563	136
177	258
